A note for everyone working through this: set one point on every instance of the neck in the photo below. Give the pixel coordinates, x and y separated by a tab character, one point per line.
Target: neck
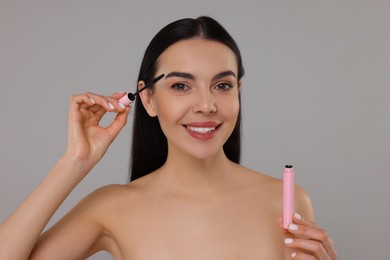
188	174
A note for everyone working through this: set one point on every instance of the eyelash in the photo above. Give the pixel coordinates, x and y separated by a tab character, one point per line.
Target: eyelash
224	84
181	87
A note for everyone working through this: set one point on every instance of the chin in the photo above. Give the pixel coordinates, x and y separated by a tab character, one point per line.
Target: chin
206	154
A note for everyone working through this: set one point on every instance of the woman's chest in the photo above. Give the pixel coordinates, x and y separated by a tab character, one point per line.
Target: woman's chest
234	228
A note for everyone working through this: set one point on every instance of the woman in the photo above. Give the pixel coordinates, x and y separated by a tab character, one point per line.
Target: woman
188	197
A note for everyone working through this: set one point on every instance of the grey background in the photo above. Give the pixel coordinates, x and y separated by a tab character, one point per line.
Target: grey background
315	95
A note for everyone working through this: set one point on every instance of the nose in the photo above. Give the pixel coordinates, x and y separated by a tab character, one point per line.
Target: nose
205	102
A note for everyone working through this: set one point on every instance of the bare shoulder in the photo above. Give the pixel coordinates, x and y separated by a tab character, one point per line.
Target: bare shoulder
111	196
114	198
273	188
303	204
259	179
87	223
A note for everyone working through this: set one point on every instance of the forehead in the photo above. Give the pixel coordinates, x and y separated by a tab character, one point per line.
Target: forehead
197	56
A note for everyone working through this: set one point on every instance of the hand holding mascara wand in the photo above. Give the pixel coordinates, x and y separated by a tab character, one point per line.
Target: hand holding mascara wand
130	97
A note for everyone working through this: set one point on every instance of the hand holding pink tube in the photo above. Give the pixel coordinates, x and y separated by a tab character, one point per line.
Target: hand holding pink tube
288	195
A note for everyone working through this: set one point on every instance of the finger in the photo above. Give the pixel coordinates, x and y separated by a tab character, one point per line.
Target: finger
119	122
109	103
301	256
118	95
310	230
99	111
96	108
78	100
297	218
315	234
313	247
332	252
119	107
290	253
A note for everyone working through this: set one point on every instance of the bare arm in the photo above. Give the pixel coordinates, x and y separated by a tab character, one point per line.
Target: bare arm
20	232
82	231
87	143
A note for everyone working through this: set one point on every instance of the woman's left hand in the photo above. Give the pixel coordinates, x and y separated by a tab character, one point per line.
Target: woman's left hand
305	240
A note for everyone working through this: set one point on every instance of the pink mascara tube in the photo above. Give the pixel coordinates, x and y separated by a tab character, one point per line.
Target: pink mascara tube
288	195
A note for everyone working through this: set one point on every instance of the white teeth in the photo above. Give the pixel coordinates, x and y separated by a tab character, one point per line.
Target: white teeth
201	130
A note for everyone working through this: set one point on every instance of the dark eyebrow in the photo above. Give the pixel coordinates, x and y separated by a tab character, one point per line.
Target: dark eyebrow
224	74
181	75
192	77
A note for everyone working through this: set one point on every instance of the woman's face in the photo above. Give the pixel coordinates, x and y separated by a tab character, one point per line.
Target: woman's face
197	101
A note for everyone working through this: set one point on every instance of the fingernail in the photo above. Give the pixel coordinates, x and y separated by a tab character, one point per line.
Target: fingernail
293	227
92	101
111	106
294	254
121	105
297	216
288	240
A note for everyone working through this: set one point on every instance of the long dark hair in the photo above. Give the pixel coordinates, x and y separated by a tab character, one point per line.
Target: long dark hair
149	146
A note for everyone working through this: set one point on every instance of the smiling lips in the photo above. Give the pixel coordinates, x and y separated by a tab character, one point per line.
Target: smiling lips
202	130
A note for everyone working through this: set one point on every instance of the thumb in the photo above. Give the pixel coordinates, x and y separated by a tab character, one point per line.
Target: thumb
118	123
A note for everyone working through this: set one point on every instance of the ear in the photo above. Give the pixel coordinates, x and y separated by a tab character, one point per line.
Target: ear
239	85
147	99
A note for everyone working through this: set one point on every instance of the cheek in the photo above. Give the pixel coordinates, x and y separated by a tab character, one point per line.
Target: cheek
170	109
229	107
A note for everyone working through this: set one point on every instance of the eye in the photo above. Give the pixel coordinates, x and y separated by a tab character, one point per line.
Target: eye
223	86
179	87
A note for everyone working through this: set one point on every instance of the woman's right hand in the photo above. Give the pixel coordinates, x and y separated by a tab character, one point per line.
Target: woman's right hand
87	143
87	140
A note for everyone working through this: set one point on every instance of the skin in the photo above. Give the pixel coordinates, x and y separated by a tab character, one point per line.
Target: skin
199	205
